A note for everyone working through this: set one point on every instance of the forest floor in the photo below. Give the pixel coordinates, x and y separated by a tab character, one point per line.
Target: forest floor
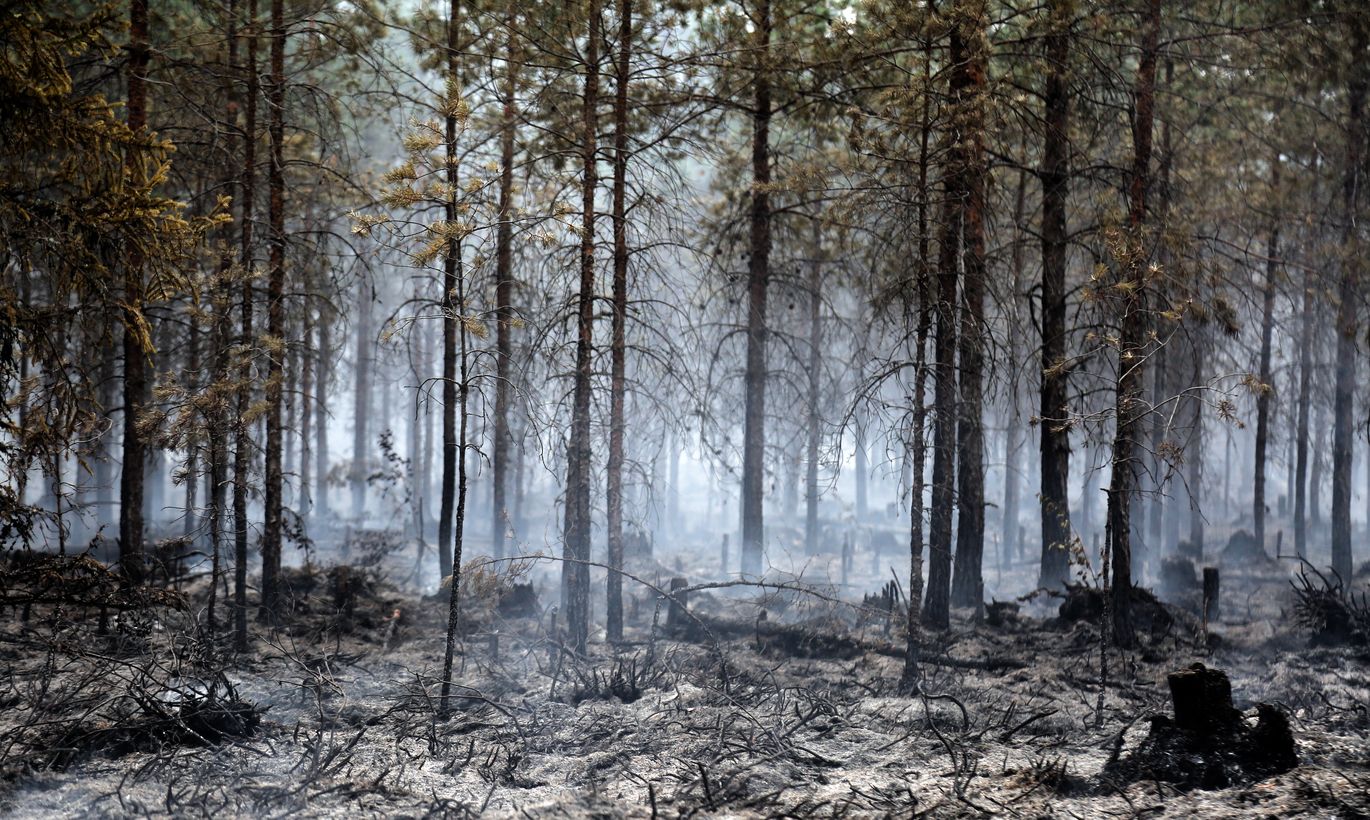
795	715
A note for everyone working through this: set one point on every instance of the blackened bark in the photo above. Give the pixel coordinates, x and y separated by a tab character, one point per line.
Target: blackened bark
504	311
306	413
1055	412
758	282
575	572
618	345
1267	380
1013	434
1132	338
324	367
811	400
1348	324
361	401
937	604
135	356
242	453
276	350
189	522
922	288
967	579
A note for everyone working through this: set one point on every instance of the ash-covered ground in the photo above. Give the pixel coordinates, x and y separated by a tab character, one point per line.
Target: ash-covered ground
718	712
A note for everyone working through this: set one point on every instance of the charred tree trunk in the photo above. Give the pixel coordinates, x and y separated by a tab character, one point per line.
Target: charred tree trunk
1013	434
135	357
1055	411
189	523
459	524
1194	453
937	604
361	401
758	282
1267	379
324	369
967	580
504	310
1132	344
1348	323
242	454
618	344
306	414
271	531
575	572
863	468
815	287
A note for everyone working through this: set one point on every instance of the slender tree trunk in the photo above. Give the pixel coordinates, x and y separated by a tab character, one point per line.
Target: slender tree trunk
618	345
1055	410
815	386
189	523
922	290
135	357
758	282
1013	435
937	606
1132	351
242	454
1348	323
673	489
218	421
361	408
459	525
324	368
104	470
575	569
275	483
1195	452
504	312
863	468
1267	379
306	504
967	580
1315	478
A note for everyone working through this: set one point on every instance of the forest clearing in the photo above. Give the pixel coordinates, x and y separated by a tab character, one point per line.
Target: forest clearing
706	408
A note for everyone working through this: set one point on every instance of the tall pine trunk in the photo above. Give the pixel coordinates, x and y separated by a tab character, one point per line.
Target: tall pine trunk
135	357
242	453
967	580
1267	379
575	572
1055	411
921	290
812	431
618	345
758	283
1013	422
1132	344
504	311
1348	324
275	312
361	401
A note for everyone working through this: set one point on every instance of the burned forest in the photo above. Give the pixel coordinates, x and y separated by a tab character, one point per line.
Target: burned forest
703	408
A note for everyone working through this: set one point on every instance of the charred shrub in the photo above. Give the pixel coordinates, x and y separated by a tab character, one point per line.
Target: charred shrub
625	681
1332	614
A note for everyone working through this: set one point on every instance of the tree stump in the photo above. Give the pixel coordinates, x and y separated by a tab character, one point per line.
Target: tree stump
1211	592
1202	699
1208	744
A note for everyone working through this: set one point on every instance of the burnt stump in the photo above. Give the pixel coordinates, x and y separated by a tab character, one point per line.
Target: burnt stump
1208	744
